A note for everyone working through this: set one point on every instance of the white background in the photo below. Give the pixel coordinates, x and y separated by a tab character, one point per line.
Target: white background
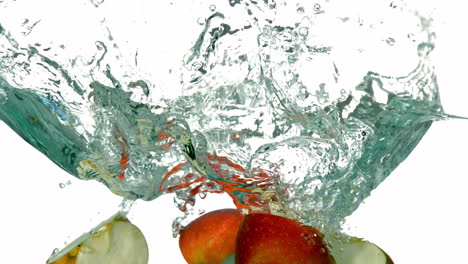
418	215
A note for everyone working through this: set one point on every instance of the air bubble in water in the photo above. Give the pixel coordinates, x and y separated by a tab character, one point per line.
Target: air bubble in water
421	83
317	7
212	8
300	10
62	185
303	31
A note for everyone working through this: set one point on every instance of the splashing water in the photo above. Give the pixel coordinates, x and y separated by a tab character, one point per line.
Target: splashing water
298	108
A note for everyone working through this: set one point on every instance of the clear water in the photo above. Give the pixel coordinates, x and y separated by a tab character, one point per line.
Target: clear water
299	108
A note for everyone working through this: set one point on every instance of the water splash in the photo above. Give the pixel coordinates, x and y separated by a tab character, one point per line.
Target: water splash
125	206
298	108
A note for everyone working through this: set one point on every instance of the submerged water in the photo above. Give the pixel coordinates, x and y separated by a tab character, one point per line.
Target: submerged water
299	108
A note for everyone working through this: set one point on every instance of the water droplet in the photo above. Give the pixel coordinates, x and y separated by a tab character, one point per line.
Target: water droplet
202	195
390	41
303	31
411	37
201	21
300	10
317	7
62	185
212	8
54	251
97	3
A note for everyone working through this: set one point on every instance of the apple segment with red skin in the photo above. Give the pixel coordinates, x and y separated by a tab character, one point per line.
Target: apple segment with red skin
270	239
211	238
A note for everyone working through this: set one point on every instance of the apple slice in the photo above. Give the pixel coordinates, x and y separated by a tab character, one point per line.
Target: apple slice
272	239
114	241
358	251
211	238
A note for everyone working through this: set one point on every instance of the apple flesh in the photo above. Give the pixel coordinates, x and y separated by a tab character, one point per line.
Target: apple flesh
117	241
69	258
358	251
272	239
122	243
211	238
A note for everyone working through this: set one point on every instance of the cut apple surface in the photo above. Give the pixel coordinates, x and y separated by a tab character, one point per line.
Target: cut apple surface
115	241
358	251
266	238
122	243
211	238
69	258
